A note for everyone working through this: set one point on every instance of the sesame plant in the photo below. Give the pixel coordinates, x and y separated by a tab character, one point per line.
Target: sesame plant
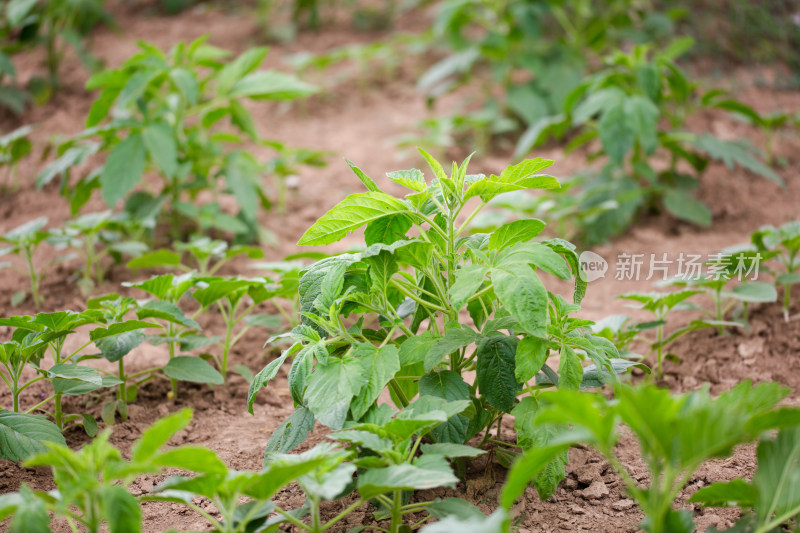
660	305
55	26
181	115
525	57
390	316
782	245
94	237
92	483
180	332
14	147
385	460
235	299
676	433
722	269
205	256
637	107
23	242
66	375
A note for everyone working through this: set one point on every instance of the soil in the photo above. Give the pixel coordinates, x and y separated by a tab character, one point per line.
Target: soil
360	124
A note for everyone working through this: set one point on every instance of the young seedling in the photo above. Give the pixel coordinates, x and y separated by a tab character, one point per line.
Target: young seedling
207	256
236	299
722	269
782	243
395	459
179	330
660	305
14	147
23	241
66	375
95	236
92	483
676	434
622	332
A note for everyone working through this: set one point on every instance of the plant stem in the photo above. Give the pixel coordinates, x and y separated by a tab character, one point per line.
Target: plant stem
397	515
171	344
33	276
659	350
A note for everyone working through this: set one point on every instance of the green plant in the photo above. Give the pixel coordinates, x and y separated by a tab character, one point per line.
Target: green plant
384	450
722	268
49	332
56	25
637	106
676	434
619	330
92	482
389	316
526	56
660	304
388	449
173	106
179	330
14	147
207	256
23	241
782	243
95	236
236	299
772	496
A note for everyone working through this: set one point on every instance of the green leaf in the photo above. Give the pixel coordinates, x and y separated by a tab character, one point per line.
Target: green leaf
737	492
29	512
451	450
468	280
755	291
115	347
262	378
366	180
454	339
496	371
735	153
378	481
156	259
523	295
22	435
570	370
159	140
379	367
351	213
617	132
123	169
75	372
290	433
332	387
455	507
514	232
777	479
121	510
166	311
683	205
530	356
387	230
159	434
412	179
643	115
242	175
192	458
496	523
120	327
271	85
525	469
449	386
194	369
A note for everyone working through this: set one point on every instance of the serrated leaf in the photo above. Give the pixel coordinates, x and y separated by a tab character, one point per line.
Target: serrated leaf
378	481
515	232
123	169
332	387
350	214
379	367
496	371
22	435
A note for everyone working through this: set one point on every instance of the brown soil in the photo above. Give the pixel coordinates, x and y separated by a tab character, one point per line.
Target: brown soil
359	124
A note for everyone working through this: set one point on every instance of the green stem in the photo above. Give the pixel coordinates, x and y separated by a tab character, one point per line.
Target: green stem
33	276
171	344
397	515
